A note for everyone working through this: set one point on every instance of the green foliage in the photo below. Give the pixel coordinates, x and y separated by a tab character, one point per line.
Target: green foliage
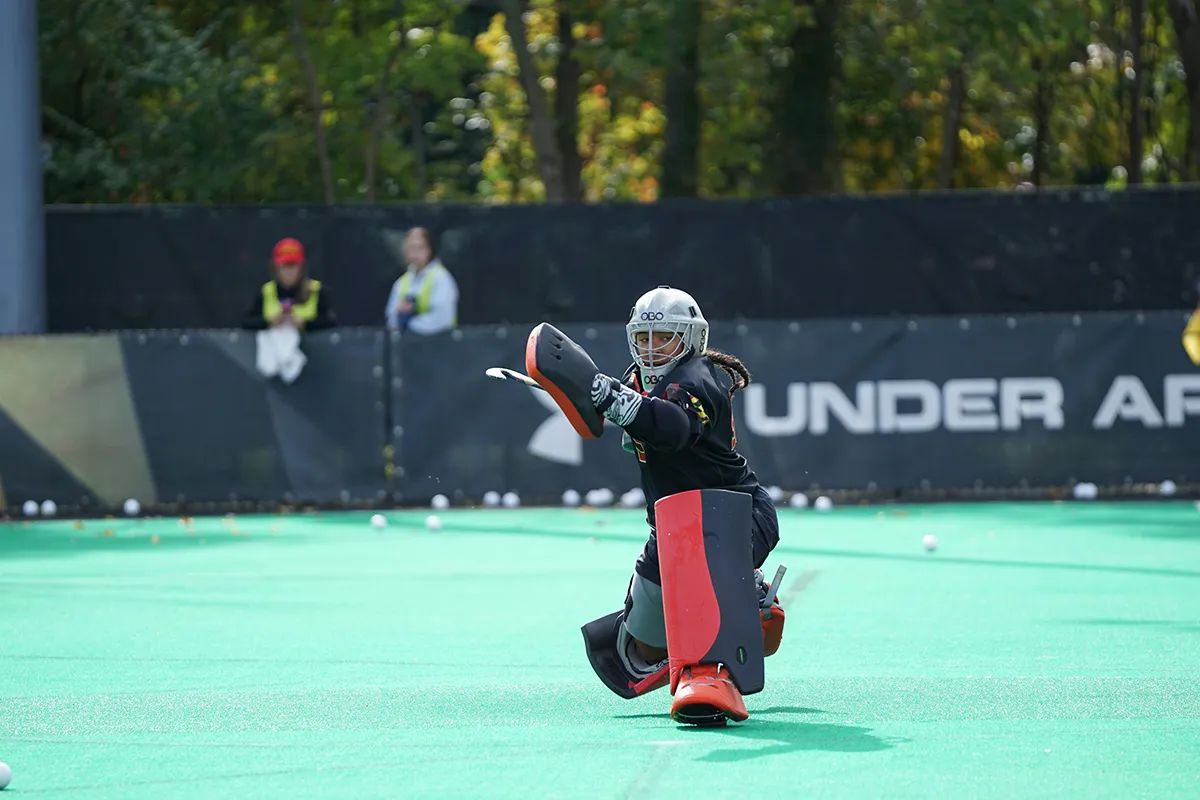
139	108
132	106
205	101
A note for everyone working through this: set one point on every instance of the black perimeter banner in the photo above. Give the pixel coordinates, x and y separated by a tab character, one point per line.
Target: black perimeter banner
896	407
954	403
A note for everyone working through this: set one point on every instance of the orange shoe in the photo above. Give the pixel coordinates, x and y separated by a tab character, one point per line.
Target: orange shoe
772	629
704	695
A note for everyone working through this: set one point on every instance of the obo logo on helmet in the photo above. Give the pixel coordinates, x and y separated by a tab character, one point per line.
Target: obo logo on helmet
652	316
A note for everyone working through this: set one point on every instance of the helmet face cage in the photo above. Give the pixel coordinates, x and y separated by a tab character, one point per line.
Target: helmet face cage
670	311
646	355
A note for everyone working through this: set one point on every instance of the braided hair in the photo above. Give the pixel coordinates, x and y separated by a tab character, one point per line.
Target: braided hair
733	366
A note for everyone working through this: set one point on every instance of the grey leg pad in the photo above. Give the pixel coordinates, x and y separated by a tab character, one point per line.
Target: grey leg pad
645	618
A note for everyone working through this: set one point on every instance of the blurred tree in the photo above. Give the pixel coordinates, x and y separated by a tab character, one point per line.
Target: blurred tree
566	104
802	137
681	102
541	125
341	100
316	97
135	110
201	101
378	107
1186	22
600	123
1137	22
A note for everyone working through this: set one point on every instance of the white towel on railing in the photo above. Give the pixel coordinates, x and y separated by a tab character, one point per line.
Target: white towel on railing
279	353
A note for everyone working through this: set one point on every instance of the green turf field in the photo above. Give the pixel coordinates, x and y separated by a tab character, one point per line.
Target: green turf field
1043	651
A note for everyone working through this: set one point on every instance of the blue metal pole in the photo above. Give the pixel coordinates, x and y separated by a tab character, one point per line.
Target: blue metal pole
22	234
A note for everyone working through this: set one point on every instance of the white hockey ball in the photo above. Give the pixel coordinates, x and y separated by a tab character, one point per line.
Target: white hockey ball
441	502
799	500
30	508
379	522
775	493
433	522
132	507
930	541
570	498
511	500
599	497
823	503
49	509
1166	488
491	499
634	498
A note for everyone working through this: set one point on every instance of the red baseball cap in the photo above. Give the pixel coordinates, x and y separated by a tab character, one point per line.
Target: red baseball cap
288	251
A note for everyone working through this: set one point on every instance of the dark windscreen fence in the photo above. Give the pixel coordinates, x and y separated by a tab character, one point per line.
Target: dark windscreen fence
966	253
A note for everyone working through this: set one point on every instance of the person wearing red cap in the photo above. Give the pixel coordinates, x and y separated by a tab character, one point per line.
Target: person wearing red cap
290	297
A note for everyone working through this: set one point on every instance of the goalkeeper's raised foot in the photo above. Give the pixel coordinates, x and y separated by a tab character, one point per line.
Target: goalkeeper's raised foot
772	628
772	615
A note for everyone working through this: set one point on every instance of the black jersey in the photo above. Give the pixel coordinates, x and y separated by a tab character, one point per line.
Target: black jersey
712	461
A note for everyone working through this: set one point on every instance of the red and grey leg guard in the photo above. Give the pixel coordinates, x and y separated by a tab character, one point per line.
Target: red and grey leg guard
710	604
608	640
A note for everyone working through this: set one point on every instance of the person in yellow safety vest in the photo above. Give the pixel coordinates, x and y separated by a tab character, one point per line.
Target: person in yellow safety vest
424	299
1191	338
291	297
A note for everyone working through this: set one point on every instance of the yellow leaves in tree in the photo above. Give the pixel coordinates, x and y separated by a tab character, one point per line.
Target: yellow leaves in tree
971	141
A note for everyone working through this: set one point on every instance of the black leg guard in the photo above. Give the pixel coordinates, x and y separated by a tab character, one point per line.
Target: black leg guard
600	641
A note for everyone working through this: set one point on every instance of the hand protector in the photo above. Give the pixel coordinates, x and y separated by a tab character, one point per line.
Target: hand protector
615	400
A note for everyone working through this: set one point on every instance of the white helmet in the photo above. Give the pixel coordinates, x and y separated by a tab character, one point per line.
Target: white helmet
665	310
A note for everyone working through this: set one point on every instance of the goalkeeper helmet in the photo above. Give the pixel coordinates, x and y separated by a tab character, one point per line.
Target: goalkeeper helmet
665	326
